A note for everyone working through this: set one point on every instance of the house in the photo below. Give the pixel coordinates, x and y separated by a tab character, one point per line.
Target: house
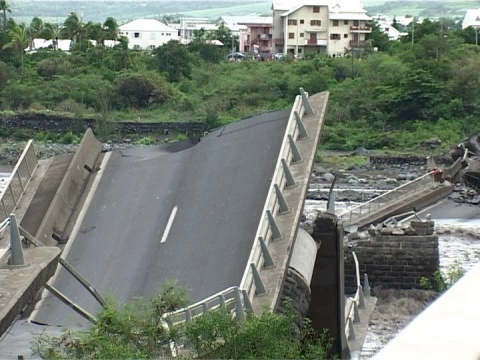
392	33
187	26
334	27
147	34
255	32
472	18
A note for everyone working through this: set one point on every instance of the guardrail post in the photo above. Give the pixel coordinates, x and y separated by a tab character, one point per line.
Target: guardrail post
351	330
303	134
306	103
281	200
15	243
239	310
366	286
361	302
205	307
222	301
356	314
276	234
188	315
266	253
259	286
296	156
247	303
288	175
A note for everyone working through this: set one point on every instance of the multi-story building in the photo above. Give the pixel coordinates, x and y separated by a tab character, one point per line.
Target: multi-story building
147	34
319	26
254	32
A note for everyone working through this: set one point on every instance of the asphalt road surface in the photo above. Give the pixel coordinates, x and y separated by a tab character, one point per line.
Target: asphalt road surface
185	212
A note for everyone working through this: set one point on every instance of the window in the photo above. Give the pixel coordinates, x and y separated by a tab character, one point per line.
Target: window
316	9
136	47
299	50
315	23
291	35
136	35
345	22
345	36
151	47
163	34
302	21
292	22
335	22
302	34
334	36
356	23
152	36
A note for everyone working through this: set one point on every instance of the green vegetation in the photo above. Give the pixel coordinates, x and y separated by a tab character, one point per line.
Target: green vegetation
134	331
442	281
394	98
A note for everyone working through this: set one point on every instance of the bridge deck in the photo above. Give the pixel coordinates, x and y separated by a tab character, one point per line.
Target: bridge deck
214	193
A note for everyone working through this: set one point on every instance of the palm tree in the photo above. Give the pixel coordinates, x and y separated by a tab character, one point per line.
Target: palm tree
73	27
111	28
20	39
95	32
52	32
5	8
35	30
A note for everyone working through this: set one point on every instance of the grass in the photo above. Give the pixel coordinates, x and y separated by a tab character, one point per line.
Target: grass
341	161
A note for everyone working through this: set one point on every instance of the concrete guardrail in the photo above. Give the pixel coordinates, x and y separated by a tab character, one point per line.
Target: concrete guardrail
65	200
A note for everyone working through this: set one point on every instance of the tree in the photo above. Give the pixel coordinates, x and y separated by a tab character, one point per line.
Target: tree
269	336
20	40
225	36
52	32
111	29
379	39
174	59
5	8
73	28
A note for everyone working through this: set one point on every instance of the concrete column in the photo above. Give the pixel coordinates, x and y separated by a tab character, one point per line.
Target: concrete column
327	309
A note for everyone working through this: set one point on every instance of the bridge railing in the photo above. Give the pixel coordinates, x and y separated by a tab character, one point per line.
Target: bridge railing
275	204
18	181
233	299
381	202
353	304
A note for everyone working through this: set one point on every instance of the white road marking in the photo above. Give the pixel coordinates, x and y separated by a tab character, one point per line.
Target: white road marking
169	224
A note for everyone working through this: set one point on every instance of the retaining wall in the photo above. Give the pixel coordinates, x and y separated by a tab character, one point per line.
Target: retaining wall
393	261
41	122
52	228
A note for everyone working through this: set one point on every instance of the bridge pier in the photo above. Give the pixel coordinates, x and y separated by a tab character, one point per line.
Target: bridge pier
327	308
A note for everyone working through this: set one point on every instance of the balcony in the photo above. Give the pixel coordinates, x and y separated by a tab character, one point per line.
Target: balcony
317	42
279	41
264	36
361	29
355	44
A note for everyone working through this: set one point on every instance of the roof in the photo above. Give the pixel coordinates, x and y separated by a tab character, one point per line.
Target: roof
244	20
472	18
151	25
299	4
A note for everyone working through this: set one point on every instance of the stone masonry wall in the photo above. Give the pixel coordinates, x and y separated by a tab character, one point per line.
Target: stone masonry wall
40	122
392	261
